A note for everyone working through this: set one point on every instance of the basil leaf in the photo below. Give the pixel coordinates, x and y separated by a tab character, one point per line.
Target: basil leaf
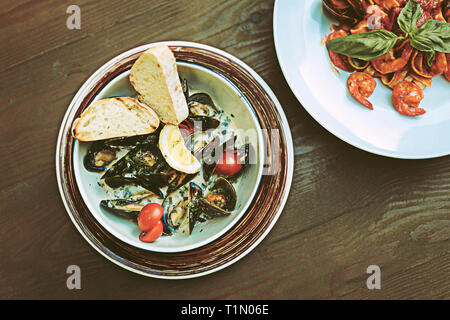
408	17
421	43
430	58
364	46
433	34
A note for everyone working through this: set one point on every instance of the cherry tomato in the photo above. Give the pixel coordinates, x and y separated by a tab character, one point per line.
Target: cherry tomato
229	164
153	234
149	216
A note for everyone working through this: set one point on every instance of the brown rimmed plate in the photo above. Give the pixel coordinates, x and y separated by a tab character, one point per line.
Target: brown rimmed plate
261	213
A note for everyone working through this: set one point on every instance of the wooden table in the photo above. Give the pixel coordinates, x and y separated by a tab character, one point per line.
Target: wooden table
347	208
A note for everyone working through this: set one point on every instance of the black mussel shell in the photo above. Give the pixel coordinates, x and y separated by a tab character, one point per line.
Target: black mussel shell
201	105
203	112
349	14
122	207
144	182
221	198
187	212
179	179
195	191
144	158
204	99
205	122
128	207
99	156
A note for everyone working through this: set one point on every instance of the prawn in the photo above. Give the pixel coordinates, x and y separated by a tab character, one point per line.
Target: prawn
389	64
361	85
406	97
338	60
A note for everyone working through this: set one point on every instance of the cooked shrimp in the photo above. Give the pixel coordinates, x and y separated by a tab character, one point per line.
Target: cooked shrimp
361	85
406	97
389	64
339	60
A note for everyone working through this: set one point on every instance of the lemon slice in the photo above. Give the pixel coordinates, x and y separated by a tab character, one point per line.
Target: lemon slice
172	147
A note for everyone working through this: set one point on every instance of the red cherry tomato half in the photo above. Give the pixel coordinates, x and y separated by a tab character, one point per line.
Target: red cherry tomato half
153	234
149	216
229	164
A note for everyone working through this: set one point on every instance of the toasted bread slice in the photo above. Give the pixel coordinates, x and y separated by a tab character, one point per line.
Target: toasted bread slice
114	117
155	77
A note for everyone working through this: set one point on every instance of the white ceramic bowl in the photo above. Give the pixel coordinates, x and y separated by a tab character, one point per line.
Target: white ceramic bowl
229	99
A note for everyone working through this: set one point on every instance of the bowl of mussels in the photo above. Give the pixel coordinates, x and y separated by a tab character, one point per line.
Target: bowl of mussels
117	177
216	182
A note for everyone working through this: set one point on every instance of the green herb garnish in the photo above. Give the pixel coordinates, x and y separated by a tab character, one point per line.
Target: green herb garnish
432	36
364	46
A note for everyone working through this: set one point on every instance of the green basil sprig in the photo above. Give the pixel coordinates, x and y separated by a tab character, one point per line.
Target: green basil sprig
432	36
408	17
364	46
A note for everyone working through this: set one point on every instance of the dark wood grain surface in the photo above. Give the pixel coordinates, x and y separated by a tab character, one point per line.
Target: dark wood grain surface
347	209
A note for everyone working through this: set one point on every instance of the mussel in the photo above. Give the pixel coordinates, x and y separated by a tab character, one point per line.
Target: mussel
145	166
99	156
346	11
176	217
186	213
178	179
153	184
143	158
221	198
103	152
203	110
127	207
201	104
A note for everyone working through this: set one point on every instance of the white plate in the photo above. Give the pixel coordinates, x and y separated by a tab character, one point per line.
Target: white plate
299	27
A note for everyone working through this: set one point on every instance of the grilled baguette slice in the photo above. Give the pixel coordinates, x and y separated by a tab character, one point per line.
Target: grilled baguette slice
155	77
113	118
